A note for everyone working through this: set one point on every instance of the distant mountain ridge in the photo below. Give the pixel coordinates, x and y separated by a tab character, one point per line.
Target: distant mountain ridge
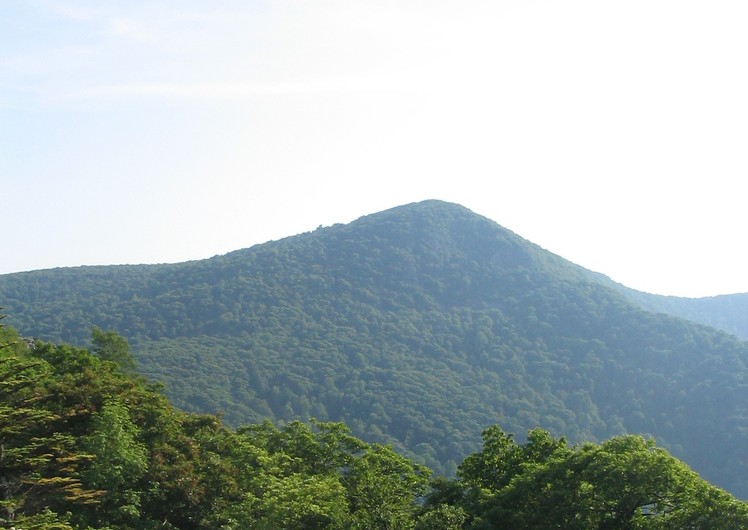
727	312
417	326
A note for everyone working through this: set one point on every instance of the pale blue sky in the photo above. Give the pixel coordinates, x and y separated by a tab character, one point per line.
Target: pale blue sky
611	133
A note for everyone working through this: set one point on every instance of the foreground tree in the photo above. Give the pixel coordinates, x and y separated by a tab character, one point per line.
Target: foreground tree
39	462
110	346
624	483
320	476
119	461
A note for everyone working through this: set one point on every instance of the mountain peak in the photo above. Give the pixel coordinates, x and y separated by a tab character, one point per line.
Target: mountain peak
415	326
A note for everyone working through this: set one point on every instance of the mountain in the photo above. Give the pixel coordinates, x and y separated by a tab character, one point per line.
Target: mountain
726	312
416	326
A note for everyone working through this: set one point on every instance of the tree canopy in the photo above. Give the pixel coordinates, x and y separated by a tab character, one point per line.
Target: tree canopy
626	482
86	445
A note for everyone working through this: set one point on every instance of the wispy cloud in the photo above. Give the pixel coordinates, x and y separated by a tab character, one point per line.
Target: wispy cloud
135	30
228	90
69	11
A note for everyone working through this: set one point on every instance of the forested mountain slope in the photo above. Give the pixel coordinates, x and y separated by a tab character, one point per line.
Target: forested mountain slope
727	312
87	444
418	326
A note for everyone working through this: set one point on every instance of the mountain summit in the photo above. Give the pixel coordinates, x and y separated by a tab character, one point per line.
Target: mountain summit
417	326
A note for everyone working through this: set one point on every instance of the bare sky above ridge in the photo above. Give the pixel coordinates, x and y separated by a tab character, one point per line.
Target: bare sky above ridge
611	133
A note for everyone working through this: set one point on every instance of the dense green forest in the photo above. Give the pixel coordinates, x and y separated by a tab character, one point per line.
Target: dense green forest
726	312
89	444
417	327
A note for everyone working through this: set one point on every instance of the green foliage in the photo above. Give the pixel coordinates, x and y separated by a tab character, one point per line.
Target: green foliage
726	312
416	327
626	482
501	459
119	462
442	517
294	501
319	476
110	346
85	445
38	464
382	486
44	520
